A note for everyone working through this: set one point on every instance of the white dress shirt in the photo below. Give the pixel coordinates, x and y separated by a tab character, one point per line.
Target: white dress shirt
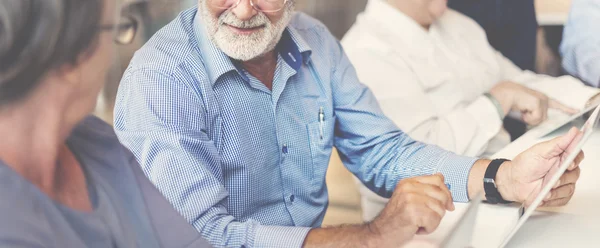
431	83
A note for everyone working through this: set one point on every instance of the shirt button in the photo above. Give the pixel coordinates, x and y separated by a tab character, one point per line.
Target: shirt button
284	149
292	197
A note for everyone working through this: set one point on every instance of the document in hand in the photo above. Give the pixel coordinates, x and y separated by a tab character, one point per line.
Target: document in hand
462	233
525	213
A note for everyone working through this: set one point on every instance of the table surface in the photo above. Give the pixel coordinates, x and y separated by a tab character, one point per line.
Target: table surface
574	225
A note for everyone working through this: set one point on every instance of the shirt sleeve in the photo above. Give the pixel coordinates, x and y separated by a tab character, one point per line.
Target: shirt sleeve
565	89
374	149
466	129
581	39
161	122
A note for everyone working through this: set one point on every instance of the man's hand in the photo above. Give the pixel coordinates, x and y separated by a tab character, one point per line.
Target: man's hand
522	179
416	207
533	105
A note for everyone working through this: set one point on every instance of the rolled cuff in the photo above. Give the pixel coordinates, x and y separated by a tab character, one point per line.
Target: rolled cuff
456	171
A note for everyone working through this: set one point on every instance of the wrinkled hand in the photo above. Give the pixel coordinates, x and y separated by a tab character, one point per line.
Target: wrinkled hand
522	179
416	207
532	105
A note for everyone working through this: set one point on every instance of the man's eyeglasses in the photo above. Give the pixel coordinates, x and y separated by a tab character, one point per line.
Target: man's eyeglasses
267	6
124	30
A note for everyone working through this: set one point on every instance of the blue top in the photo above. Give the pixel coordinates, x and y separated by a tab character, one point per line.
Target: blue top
128	211
246	165
580	46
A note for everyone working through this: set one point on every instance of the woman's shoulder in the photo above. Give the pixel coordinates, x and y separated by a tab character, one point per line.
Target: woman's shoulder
21	209
96	141
93	125
93	133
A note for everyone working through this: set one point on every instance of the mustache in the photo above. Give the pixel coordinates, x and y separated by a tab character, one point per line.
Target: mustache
230	19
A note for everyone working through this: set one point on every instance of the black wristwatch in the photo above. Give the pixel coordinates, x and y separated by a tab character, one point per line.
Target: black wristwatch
489	183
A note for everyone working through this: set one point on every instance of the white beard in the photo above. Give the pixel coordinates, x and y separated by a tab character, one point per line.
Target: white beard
245	47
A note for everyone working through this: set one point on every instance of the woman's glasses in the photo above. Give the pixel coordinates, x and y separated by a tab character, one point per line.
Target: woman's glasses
124	30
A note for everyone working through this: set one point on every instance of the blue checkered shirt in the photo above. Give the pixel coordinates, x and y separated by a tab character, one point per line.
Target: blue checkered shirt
246	165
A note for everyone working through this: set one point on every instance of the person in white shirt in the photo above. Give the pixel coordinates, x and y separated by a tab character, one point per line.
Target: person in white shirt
436	76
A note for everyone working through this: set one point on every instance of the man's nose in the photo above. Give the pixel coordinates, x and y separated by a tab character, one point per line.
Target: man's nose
244	11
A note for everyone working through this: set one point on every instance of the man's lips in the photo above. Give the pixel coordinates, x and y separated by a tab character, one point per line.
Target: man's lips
245	31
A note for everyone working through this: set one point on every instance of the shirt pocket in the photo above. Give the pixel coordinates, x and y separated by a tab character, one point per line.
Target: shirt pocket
321	137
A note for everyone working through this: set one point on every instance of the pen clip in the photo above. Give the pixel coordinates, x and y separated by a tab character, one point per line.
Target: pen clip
321	121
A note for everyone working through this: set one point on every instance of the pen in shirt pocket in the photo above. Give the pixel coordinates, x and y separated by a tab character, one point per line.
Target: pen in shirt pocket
321	120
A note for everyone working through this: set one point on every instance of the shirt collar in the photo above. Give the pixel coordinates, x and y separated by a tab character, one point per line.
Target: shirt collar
292	48
295	43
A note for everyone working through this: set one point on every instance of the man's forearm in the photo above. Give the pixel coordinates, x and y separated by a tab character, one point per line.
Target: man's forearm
341	236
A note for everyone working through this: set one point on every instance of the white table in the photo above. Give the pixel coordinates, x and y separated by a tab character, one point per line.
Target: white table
574	225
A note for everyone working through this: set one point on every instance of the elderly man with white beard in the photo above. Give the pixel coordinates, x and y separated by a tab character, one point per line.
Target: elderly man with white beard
232	111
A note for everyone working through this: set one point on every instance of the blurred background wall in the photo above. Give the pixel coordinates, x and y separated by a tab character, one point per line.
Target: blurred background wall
337	15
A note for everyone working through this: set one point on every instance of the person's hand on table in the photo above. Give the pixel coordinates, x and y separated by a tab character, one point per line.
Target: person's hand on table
522	179
533	105
417	206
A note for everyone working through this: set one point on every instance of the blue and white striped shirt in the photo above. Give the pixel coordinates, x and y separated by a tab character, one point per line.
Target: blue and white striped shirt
246	165
580	46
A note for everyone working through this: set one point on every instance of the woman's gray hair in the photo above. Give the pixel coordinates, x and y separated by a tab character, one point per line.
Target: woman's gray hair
37	36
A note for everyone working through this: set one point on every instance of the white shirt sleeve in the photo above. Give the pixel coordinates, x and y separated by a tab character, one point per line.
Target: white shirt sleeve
566	89
465	130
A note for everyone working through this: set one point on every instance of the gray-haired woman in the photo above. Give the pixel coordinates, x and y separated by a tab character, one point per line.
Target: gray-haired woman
65	181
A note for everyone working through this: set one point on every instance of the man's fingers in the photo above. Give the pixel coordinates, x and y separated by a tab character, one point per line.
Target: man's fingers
561	192
556	202
577	161
533	118
426	219
437	206
571	147
438	180
553	104
569	177
441	194
557	146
